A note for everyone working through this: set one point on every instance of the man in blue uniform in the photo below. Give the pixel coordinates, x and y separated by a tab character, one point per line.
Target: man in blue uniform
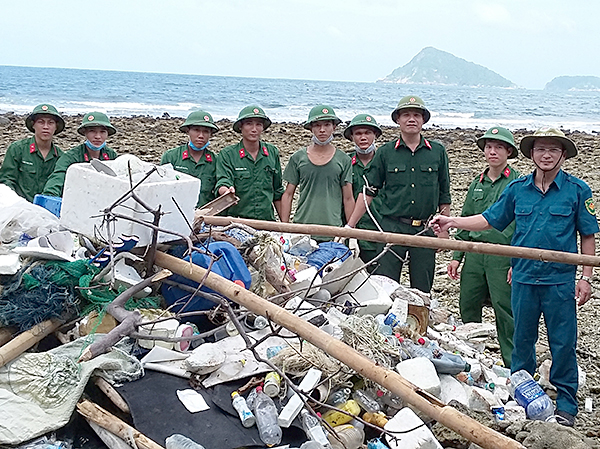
549	208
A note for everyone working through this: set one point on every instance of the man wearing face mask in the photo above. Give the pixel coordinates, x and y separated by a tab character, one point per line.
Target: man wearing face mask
29	162
411	175
251	169
96	128
194	158
363	130
323	174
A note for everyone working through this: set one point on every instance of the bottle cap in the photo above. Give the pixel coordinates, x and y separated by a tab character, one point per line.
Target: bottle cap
421	341
234	393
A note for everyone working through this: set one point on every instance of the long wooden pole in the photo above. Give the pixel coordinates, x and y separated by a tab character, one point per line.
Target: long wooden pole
433	407
413	241
27	339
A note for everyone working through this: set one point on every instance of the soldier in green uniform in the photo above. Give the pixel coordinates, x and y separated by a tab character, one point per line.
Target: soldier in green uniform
194	158
362	131
323	174
411	175
483	276
29	162
96	128
251	169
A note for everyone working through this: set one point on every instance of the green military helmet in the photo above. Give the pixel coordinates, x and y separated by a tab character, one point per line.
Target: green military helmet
411	102
362	120
251	111
92	119
45	109
319	113
527	142
199	118
501	134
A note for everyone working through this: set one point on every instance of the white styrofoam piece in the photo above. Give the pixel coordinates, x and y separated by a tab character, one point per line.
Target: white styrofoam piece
419	438
9	263
338	270
295	404
373	298
304	278
88	192
513	412
482	400
453	389
165	328
205	359
421	372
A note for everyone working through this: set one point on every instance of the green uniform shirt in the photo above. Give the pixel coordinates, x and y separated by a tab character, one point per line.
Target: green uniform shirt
483	192
25	170
204	169
411	185
257	182
321	199
365	222
56	182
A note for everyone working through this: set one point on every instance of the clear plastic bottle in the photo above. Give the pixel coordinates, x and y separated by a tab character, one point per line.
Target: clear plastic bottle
178	441
529	395
352	437
239	404
313	429
339	397
266	419
368	403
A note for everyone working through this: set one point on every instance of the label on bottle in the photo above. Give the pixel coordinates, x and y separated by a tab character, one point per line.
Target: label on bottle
527	392
271	385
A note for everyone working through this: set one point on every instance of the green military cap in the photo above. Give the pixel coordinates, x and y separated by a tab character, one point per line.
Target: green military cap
527	142
199	118
319	113
501	134
45	109
251	111
411	102
362	120
96	119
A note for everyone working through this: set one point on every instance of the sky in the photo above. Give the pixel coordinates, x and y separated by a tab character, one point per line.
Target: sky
527	41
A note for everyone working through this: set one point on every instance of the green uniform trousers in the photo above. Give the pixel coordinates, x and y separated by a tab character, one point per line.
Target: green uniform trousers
421	261
484	277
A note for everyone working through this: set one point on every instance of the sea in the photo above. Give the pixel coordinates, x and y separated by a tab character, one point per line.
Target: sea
75	91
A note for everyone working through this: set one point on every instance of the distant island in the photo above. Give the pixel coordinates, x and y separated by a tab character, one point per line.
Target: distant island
563	83
433	66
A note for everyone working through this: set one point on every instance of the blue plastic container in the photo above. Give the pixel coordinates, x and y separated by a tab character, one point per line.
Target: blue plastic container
230	265
50	203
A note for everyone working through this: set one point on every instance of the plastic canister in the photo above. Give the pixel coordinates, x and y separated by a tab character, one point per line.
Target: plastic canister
351	437
335	418
230	265
272	384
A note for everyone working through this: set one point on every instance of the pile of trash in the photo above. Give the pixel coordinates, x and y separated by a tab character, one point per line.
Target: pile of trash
185	356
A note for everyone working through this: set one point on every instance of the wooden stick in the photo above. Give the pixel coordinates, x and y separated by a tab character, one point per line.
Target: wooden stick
414	241
433	407
26	340
6	334
108	421
112	394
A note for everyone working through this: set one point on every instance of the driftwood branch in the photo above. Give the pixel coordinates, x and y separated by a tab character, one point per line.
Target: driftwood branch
26	340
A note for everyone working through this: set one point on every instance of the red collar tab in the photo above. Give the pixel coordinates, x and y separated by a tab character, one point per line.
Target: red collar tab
32	148
265	151
506	172
105	156
354	160
481	177
398	142
185	155
242	153
208	157
86	157
427	144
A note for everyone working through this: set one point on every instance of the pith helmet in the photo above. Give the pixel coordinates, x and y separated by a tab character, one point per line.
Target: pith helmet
411	102
501	134
198	118
527	143
321	112
45	109
362	120
96	119
251	111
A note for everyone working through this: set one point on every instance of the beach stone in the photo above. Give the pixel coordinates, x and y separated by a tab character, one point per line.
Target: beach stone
4	121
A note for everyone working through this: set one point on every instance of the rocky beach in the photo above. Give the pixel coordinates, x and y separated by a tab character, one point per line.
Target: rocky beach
149	137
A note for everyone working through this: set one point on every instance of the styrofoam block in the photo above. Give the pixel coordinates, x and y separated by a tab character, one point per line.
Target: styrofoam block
295	404
88	192
338	270
513	412
482	400
373	298
405	438
421	372
453	389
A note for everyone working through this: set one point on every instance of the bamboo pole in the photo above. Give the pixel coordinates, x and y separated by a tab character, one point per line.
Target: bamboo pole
26	340
112	394
433	407
413	241
6	334
108	421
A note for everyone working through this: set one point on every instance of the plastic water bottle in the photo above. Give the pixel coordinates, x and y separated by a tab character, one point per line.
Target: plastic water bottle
352	437
313	429
339	397
239	403
529	395
178	441
366	401
266	419
444	362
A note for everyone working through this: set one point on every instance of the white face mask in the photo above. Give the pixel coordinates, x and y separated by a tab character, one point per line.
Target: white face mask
318	142
367	150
